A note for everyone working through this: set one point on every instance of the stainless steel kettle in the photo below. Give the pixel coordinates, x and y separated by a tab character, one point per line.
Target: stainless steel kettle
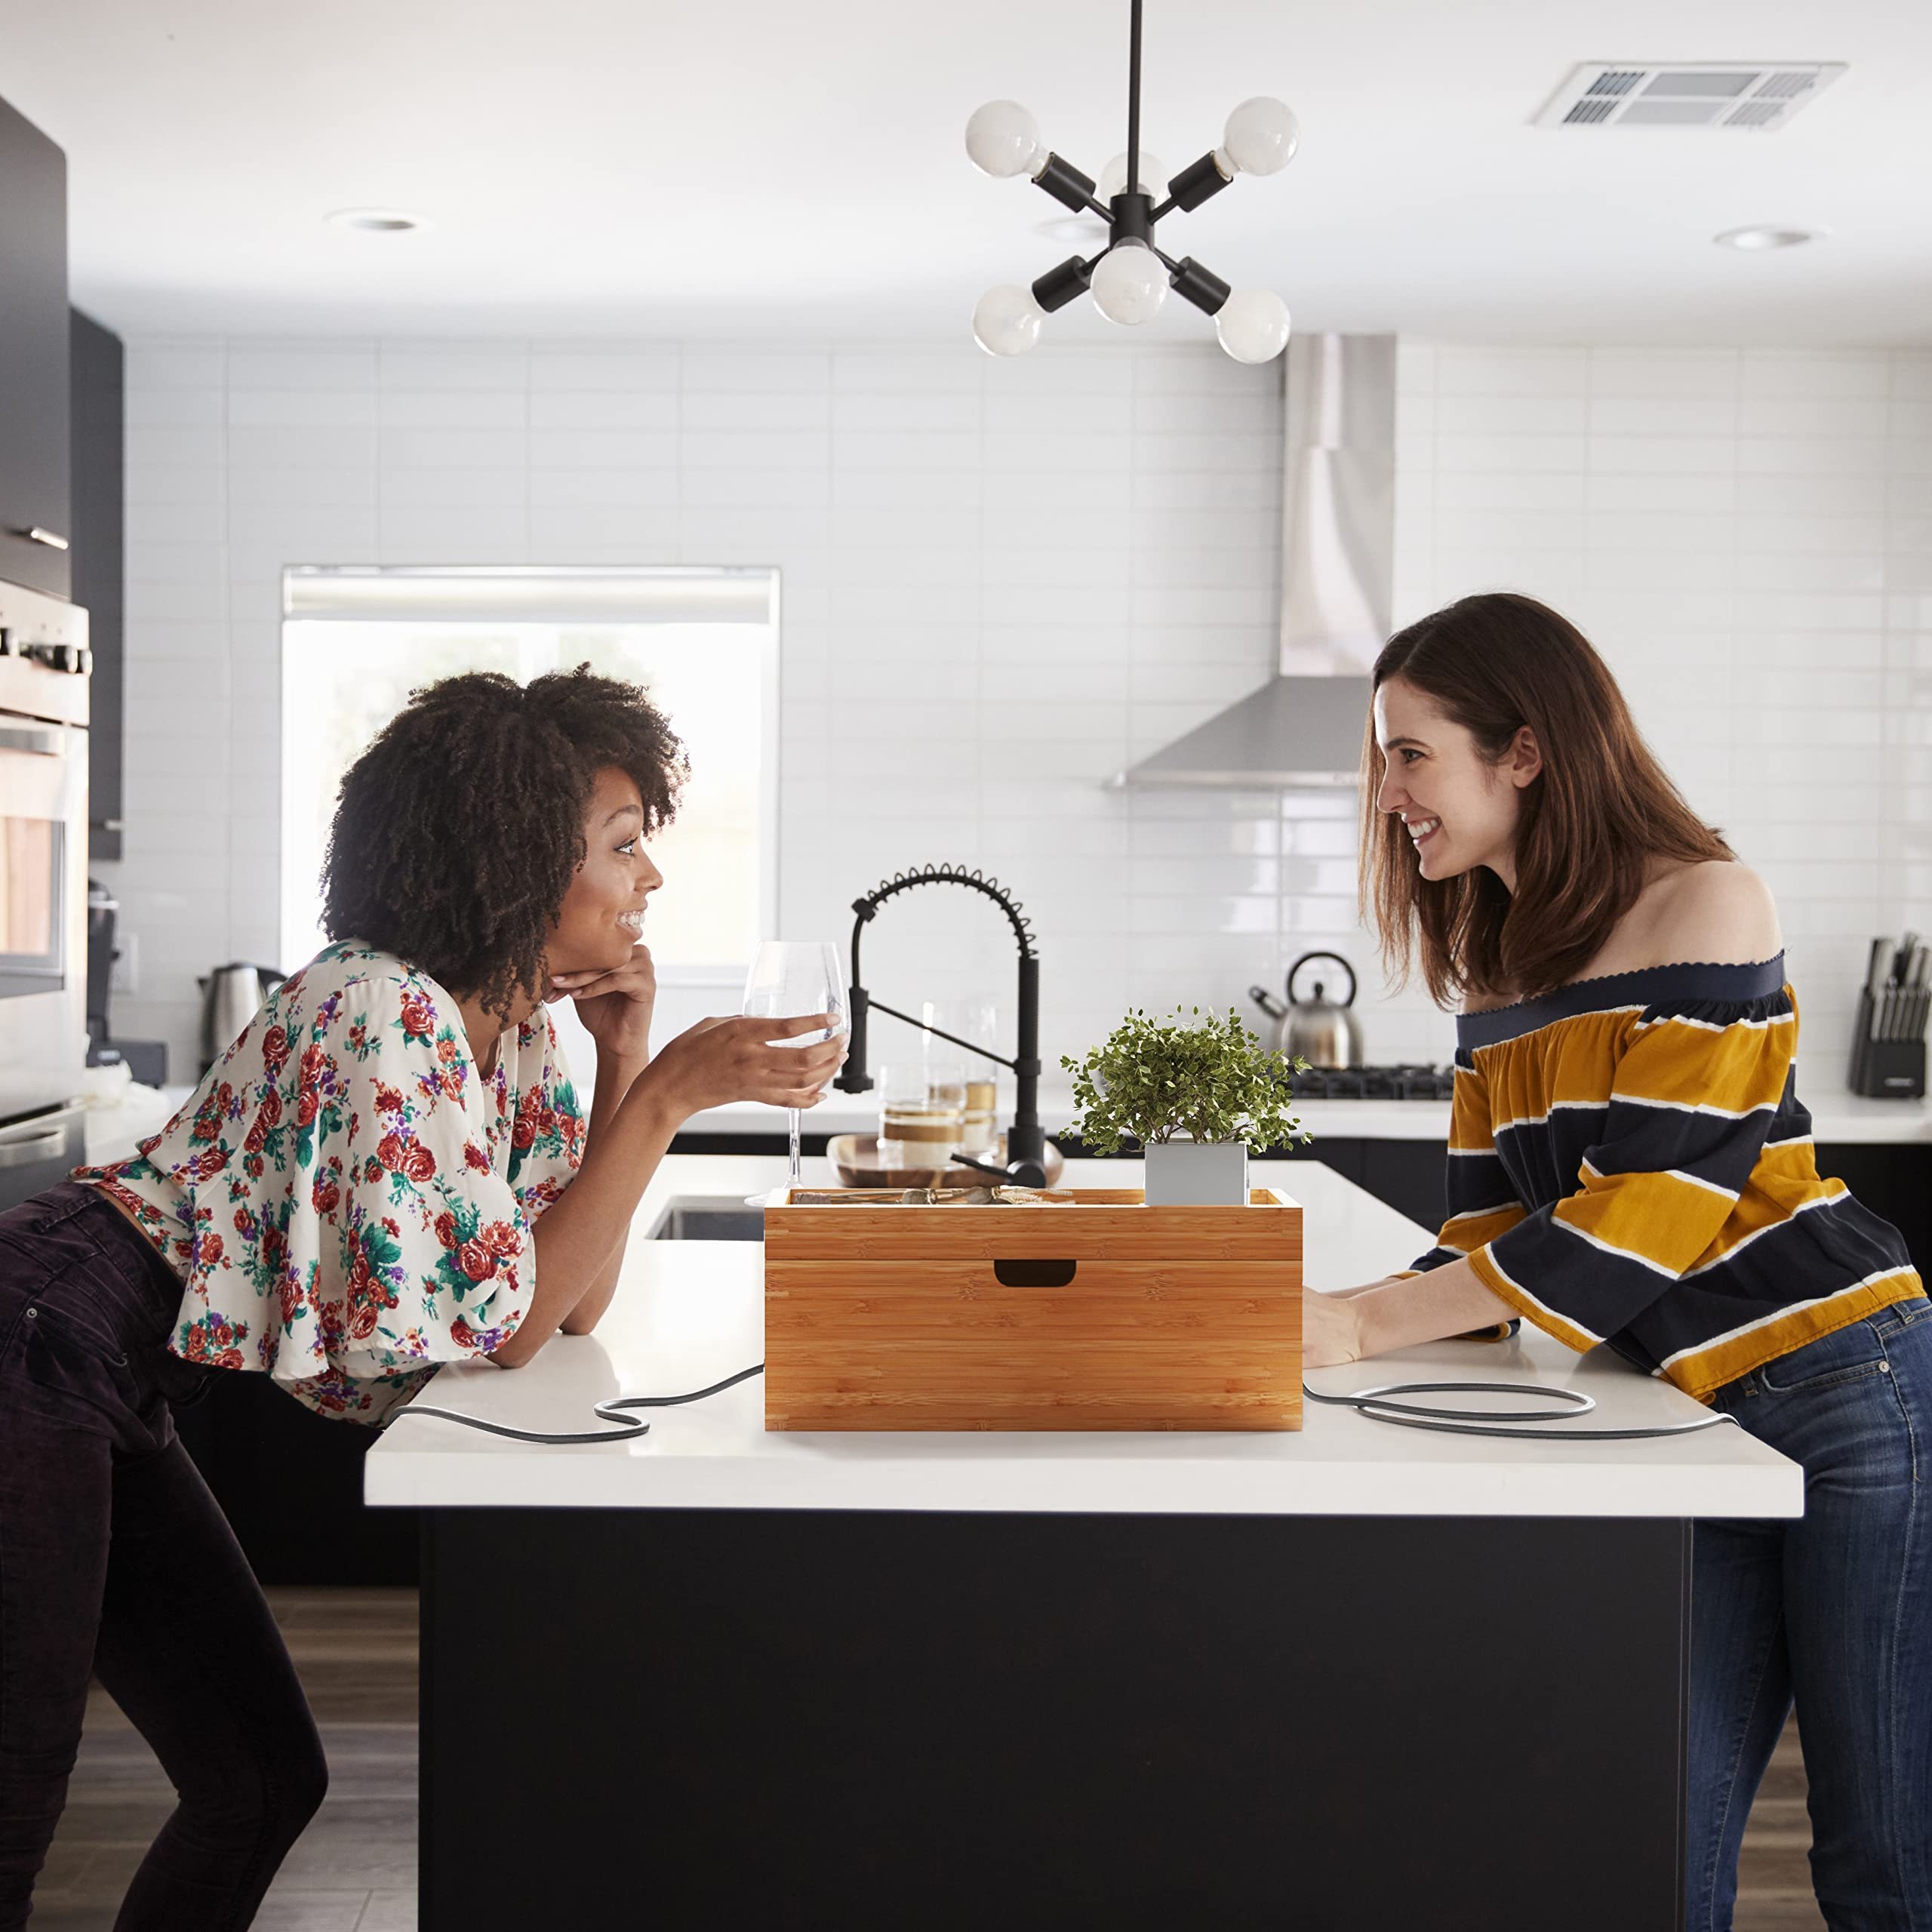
231	996
1317	1030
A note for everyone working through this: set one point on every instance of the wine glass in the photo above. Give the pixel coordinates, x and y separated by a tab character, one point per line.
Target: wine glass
788	978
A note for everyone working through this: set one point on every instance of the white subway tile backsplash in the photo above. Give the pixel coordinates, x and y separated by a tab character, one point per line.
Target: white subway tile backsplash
1809	456
158	364
1812	375
1004	578
326	444
403	368
886	371
1502	373
453	408
276	409
339	366
604	409
1663	373
638	368
736	370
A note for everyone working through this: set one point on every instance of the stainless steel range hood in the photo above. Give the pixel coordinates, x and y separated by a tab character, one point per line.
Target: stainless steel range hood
1303	726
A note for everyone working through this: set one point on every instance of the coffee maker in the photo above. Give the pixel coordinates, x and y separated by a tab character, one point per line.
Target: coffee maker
146	1060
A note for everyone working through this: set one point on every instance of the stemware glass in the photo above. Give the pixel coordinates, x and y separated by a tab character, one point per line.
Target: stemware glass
788	978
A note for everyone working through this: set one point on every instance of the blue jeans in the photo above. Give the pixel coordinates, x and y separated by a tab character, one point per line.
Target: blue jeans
116	1562
1834	1610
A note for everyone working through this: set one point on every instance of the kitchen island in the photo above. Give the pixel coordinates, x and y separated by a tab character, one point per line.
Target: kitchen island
1356	1676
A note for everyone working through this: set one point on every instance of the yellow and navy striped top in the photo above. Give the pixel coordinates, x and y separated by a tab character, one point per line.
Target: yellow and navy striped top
1629	1163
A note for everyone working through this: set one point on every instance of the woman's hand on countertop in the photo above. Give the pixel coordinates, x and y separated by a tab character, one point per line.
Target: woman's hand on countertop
615	1006
1330	1327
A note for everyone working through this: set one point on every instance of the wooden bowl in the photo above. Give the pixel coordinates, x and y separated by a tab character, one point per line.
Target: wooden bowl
856	1157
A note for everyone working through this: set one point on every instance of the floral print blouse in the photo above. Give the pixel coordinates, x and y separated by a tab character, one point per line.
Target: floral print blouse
347	1199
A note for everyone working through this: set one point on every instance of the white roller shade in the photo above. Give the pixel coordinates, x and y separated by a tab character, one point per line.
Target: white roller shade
651	595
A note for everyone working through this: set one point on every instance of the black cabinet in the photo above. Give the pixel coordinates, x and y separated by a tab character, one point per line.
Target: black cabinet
290	1483
99	561
35	509
1894	1180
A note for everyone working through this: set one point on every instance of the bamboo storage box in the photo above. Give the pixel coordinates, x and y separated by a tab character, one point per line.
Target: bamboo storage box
1101	1313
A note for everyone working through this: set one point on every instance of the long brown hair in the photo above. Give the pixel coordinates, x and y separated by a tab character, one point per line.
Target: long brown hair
1599	811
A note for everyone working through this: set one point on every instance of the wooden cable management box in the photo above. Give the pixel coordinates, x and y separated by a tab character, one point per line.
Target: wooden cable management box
1101	1313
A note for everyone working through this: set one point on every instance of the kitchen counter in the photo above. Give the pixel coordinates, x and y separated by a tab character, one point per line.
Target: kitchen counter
688	1313
1837	1118
953	1680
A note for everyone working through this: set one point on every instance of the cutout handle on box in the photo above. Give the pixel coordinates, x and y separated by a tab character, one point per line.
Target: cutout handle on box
1033	1273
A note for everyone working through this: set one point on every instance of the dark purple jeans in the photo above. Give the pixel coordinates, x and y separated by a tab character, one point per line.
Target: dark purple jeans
115	1560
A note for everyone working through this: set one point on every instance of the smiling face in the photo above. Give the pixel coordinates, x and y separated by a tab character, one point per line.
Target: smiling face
1461	811
602	916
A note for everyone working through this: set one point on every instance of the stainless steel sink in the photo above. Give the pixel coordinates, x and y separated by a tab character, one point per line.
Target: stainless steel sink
702	1217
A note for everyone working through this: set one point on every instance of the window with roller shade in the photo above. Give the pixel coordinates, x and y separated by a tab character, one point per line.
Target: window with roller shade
703	643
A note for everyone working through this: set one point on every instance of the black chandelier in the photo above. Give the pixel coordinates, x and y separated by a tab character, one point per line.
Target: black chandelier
1129	278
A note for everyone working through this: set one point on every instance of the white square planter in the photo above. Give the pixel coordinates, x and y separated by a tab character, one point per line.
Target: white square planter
1188	1173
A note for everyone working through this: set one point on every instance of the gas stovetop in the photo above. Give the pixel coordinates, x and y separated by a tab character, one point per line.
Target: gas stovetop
1375	1083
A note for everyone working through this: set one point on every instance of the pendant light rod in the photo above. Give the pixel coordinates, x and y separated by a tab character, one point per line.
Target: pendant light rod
1133	99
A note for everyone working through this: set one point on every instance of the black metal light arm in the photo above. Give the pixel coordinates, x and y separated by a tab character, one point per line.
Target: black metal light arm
1256	329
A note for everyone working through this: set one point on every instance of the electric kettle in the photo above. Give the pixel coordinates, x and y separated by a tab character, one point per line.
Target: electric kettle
1317	1030
231	996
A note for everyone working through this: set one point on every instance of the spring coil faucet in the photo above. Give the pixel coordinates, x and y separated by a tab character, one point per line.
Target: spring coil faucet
1025	1143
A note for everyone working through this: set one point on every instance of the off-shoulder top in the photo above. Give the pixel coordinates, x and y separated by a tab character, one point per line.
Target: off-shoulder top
1629	1163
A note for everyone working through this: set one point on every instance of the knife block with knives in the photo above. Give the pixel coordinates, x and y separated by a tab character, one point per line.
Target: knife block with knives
1888	1037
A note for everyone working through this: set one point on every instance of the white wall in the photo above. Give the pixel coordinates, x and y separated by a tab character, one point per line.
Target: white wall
1746	536
1002	581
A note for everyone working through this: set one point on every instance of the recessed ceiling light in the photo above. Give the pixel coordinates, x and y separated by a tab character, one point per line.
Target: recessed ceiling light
374	221
1765	238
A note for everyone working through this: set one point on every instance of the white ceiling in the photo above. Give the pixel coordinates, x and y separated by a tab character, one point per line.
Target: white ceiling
753	166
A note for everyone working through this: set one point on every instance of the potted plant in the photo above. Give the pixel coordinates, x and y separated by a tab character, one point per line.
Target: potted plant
1197	1093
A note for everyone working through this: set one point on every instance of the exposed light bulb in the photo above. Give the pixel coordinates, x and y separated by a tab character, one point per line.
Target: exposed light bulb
1003	139
1261	136
1253	325
1130	283
1006	320
1113	178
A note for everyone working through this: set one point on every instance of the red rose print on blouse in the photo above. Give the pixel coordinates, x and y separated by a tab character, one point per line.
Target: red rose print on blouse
379	1226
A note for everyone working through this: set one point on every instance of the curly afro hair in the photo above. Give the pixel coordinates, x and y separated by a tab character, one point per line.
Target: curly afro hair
457	833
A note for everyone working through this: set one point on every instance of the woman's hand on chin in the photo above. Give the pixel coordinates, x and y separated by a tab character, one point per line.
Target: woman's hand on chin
1330	1329
615	1007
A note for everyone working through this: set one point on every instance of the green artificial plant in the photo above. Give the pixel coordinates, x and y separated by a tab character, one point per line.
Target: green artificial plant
1209	1078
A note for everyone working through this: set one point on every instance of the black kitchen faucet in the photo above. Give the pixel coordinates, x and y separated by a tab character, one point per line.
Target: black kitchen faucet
1025	1144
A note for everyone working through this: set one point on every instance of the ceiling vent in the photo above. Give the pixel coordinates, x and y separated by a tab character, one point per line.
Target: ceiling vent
1712	93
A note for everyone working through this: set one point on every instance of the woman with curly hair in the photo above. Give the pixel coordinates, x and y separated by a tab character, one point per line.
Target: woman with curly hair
1631	1166
390	1169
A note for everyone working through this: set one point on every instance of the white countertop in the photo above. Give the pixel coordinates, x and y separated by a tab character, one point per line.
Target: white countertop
1836	1118
687	1314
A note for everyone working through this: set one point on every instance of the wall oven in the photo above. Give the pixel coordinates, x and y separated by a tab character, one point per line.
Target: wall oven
44	668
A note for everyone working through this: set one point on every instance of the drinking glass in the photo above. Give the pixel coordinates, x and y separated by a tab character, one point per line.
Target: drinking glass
921	1109
788	978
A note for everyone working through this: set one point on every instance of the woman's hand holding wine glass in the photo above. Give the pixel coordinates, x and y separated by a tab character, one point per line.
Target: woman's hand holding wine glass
792	980
783	1063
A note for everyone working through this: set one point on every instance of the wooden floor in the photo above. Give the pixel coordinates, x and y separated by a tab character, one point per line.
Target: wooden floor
355	1868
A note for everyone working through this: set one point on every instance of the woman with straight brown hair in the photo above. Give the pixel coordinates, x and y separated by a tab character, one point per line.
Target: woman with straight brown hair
1630	1166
